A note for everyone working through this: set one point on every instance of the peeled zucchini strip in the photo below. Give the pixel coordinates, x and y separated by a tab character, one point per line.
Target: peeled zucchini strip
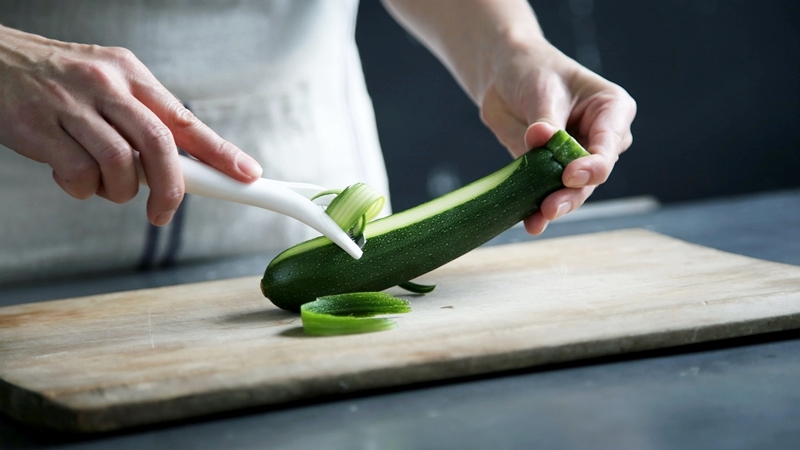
353	207
351	313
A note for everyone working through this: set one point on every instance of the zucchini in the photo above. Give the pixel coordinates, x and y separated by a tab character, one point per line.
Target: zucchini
408	244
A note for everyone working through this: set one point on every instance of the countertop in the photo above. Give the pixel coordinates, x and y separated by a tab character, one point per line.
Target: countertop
740	393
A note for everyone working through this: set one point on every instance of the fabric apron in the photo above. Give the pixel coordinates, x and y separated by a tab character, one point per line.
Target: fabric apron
281	79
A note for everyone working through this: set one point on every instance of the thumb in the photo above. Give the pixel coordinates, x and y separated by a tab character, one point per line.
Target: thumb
539	133
546	116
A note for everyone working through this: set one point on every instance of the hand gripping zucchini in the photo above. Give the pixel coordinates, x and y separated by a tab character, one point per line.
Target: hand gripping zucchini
408	244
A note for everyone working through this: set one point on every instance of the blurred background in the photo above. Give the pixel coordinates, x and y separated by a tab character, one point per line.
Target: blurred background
717	83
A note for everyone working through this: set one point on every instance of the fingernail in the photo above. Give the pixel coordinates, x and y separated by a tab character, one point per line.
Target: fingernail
164	218
249	166
562	209
579	178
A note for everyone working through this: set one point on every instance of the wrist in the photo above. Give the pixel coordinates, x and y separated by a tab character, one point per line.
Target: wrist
516	40
19	48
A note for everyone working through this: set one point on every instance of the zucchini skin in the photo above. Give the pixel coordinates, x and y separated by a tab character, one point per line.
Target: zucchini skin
402	254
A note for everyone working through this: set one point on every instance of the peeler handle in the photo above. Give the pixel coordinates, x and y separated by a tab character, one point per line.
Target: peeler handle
289	199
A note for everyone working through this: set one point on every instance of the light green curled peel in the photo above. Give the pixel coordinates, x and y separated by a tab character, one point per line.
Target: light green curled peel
354	207
351	313
328	192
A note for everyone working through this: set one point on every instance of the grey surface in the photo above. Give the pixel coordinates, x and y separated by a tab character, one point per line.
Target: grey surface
736	394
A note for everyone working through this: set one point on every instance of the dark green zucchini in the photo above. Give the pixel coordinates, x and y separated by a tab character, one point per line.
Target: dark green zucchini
411	243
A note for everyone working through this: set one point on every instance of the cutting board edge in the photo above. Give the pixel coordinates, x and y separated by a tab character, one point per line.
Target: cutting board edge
35	409
40	411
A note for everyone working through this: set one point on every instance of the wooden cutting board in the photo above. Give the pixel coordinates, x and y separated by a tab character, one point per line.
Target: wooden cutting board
118	360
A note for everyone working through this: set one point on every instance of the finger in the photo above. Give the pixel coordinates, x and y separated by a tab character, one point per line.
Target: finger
506	126
158	153
548	102
535	224
114	155
78	181
593	169
590	170
564	201
194	136
538	134
74	170
555	206
43	140
606	125
608	117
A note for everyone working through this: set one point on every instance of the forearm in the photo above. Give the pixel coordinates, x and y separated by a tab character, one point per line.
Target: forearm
473	38
11	53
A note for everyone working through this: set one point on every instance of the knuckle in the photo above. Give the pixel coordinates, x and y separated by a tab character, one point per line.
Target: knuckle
599	167
115	155
94	73
612	142
31	120
131	193
602	170
631	102
84	171
122	56
606	160
124	195
628	141
159	138
172	195
224	148
618	144
78	192
80	179
601	176
626	96
182	117
227	152
620	95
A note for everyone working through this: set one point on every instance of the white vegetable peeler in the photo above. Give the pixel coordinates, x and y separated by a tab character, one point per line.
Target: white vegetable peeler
287	198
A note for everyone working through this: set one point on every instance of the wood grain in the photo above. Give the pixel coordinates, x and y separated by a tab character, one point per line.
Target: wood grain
118	360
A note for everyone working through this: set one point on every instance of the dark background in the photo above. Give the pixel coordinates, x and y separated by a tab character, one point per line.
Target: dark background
716	83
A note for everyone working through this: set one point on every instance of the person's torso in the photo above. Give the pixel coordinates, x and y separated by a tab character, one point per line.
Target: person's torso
280	79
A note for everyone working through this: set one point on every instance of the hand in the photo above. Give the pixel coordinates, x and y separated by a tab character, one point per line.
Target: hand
542	90
84	110
526	88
